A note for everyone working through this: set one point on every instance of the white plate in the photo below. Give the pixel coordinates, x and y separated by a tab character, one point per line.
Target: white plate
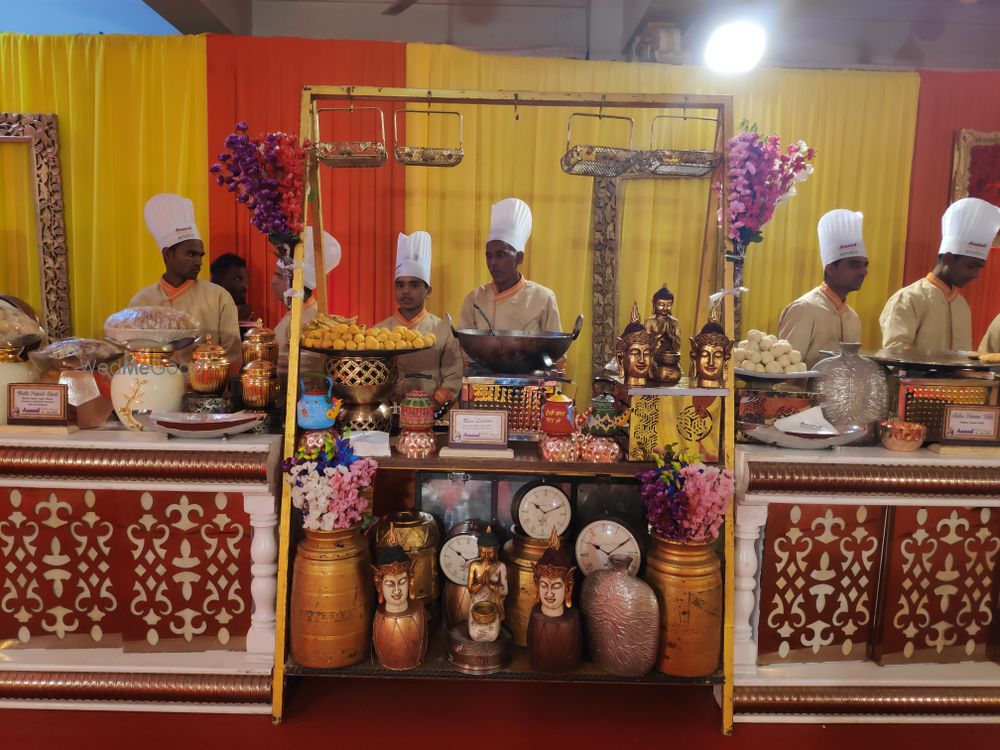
773	436
777	375
200	426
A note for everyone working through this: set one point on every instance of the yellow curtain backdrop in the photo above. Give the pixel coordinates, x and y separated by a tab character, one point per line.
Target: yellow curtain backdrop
20	269
132	119
862	124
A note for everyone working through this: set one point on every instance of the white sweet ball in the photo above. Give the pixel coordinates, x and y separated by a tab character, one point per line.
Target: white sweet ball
781	348
799	366
766	357
795	356
768	341
760	367
755	335
773	367
784	360
743	344
738	355
753	356
752	346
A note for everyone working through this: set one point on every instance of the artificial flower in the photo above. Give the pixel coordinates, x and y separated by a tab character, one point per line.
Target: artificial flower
327	482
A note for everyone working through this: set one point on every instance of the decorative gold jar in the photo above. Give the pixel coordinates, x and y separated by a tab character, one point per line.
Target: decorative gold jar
332	599
13	369
687	581
417	533
208	368
521	553
260	343
260	383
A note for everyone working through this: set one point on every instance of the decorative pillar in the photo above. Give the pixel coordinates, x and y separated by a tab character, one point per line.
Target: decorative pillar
749	521
264	572
605	226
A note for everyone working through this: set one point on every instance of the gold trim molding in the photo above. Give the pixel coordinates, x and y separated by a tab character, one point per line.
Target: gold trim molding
846	479
135	465
892	700
133	687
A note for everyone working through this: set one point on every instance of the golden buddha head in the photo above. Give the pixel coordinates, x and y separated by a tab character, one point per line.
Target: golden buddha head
489	546
634	351
393	571
554	579
663	302
710	351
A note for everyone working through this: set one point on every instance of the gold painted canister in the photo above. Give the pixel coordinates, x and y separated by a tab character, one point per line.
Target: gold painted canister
521	553
332	599
456	601
687	580
260	343
417	533
260	384
208	368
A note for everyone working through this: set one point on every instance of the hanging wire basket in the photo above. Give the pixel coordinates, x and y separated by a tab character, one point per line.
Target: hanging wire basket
353	153
597	161
427	156
672	162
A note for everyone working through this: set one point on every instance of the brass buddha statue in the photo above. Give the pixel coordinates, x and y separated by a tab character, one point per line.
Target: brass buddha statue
399	631
634	351
667	330
710	351
487	582
555	633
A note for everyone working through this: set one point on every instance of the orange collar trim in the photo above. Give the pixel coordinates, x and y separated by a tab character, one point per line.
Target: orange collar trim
831	295
311	302
173	292
410	323
947	290
498	295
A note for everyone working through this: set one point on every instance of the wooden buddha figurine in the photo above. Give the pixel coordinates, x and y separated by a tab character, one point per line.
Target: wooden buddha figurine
710	351
555	635
487	583
399	631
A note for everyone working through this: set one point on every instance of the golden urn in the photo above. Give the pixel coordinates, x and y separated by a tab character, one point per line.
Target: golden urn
260	343
260	383
208	368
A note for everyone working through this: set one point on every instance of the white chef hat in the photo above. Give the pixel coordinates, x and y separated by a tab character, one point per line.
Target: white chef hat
840	236
413	256
510	222
968	228
170	219
331	257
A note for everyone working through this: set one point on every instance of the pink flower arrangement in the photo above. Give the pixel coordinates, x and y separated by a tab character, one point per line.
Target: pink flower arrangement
685	499
267	173
759	178
327	483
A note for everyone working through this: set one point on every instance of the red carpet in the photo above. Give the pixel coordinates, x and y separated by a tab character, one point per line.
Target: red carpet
366	713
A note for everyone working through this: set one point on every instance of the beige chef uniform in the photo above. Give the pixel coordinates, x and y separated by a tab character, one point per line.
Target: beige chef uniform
929	314
991	341
442	363
170	219
526	306
308	361
819	320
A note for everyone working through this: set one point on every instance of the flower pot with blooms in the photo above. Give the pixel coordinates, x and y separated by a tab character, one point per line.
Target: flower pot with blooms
332	599
686	503
760	176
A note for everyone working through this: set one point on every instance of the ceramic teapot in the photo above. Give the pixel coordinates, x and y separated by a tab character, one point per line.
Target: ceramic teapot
602	418
317	410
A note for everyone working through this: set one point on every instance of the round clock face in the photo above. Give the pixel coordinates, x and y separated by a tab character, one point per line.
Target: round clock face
456	554
542	509
601	539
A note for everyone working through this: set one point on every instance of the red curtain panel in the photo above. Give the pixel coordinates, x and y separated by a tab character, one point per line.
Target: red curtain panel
259	80
949	102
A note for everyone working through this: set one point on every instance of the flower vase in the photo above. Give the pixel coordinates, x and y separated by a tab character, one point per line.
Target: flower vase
738	258
332	599
687	580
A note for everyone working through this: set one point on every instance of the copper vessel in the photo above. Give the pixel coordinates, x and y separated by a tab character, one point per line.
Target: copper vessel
417	533
521	553
332	599
208	368
260	343
687	581
400	639
455	601
555	643
260	383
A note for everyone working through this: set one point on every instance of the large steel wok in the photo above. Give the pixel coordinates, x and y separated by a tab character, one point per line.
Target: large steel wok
515	352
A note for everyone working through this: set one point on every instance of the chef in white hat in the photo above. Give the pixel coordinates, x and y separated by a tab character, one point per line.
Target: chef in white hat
931	314
821	319
281	283
437	370
511	302
170	220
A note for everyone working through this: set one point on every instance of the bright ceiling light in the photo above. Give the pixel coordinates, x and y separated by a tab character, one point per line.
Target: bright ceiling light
735	47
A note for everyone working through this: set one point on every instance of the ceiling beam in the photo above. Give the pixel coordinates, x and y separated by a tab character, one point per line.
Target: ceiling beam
206	16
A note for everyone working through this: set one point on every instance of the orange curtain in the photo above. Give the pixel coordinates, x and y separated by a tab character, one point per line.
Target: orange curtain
260	80
949	102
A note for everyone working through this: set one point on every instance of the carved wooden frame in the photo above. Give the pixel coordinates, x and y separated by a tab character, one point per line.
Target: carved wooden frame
965	141
42	133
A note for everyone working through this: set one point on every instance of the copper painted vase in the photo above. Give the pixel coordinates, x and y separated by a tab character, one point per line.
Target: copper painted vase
455	600
521	553
623	620
332	599
416	412
400	639
416	443
417	533
687	580
554	643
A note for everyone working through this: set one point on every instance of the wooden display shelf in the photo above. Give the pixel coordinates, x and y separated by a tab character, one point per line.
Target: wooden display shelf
437	667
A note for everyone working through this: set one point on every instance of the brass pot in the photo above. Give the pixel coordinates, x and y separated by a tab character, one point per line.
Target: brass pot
362	380
260	343
260	383
417	533
521	553
687	581
332	599
666	368
208	368
362	417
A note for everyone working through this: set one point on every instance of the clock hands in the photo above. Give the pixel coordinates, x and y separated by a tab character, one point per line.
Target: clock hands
545	512
616	548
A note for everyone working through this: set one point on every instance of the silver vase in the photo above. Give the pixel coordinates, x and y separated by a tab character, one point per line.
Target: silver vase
853	390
